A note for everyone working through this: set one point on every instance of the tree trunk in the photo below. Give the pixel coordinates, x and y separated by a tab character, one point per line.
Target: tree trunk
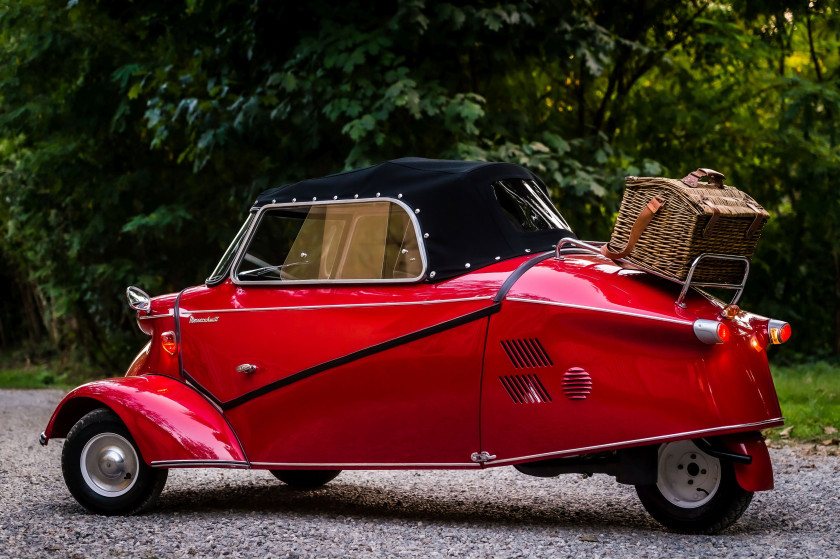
835	335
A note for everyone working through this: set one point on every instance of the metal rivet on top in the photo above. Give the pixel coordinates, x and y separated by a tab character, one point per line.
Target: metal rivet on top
335	197
467	265
294	199
431	275
399	196
498	258
527	250
425	235
417	211
377	195
274	201
314	198
356	196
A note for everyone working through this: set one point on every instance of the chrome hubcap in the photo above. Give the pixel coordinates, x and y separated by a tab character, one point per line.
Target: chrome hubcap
109	464
687	477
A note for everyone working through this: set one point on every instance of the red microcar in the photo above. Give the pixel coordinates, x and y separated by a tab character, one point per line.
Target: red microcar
425	314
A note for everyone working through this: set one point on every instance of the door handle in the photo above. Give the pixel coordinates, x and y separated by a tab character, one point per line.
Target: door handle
246	368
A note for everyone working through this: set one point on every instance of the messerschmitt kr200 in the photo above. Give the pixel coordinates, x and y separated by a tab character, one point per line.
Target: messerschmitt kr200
426	314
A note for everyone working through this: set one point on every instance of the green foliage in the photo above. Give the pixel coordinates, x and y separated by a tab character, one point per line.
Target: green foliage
133	136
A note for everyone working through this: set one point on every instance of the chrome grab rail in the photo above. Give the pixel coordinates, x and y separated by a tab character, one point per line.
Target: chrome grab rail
738	287
580	244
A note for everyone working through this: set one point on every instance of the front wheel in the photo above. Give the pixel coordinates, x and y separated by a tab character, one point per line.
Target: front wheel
695	493
305	479
103	468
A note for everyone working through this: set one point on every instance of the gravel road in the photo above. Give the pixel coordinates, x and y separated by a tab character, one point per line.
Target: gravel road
492	513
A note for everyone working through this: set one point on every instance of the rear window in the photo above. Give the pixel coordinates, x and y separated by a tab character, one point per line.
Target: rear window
527	206
357	241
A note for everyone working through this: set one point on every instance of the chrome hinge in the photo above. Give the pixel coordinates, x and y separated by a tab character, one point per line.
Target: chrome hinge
482	456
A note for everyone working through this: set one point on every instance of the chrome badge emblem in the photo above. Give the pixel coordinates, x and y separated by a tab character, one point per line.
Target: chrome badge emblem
194	320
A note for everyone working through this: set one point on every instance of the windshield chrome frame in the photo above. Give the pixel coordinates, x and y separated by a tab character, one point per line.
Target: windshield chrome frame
246	241
213	281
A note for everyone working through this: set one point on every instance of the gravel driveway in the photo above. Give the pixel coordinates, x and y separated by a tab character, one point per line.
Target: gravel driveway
492	513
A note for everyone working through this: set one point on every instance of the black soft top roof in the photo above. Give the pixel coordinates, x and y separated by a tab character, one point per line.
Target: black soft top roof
461	222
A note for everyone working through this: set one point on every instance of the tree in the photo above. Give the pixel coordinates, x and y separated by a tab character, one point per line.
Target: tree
133	137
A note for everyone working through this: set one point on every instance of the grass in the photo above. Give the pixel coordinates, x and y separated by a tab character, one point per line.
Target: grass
810	398
809	394
40	376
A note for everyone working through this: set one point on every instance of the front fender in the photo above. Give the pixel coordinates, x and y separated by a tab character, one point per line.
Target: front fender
758	475
172	424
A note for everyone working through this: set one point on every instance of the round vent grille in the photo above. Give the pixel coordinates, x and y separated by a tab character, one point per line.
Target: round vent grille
577	384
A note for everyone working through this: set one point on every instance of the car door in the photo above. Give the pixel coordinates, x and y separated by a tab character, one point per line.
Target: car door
324	350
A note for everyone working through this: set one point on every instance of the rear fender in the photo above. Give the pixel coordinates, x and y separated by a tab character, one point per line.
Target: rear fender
172	424
757	475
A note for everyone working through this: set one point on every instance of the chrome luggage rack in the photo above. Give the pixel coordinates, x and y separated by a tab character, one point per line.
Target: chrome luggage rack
595	247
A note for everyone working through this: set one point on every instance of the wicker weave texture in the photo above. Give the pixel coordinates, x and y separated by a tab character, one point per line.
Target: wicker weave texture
674	237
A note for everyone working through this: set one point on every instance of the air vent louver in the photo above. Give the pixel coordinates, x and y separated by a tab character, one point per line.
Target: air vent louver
525	389
577	384
526	353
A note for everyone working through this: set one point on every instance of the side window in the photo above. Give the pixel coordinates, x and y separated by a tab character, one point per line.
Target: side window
341	241
526	205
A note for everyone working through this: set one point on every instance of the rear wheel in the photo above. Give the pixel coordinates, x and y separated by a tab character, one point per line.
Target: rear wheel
103	468
305	479
695	493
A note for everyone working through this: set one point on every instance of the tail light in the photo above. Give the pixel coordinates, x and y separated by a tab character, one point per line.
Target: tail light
779	332
711	331
168	342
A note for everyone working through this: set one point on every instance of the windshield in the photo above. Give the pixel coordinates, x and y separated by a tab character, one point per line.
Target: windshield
220	272
341	241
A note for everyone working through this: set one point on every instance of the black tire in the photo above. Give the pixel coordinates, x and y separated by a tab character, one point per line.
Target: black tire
114	480
305	479
682	469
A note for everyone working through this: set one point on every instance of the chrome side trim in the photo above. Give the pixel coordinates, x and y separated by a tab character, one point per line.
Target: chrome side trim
168	313
200	464
779	421
600	309
366	465
246	241
186	312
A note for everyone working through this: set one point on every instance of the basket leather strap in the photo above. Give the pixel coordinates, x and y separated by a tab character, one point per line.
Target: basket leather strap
715	215
638	228
693	178
756	220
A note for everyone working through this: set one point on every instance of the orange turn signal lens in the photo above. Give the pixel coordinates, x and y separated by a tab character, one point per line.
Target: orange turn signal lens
756	345
730	311
778	331
168	342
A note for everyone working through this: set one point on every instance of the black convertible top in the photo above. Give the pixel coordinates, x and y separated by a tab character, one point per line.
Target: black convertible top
462	223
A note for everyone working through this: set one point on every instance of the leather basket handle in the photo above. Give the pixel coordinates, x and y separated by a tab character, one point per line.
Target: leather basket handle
693	178
638	228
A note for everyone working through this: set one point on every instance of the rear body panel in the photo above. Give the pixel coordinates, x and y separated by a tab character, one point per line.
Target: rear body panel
649	378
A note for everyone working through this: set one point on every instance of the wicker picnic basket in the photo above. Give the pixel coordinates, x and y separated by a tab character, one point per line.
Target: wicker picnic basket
664	224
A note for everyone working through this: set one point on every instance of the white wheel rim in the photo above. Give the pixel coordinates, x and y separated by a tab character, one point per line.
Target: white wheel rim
687	477
109	464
